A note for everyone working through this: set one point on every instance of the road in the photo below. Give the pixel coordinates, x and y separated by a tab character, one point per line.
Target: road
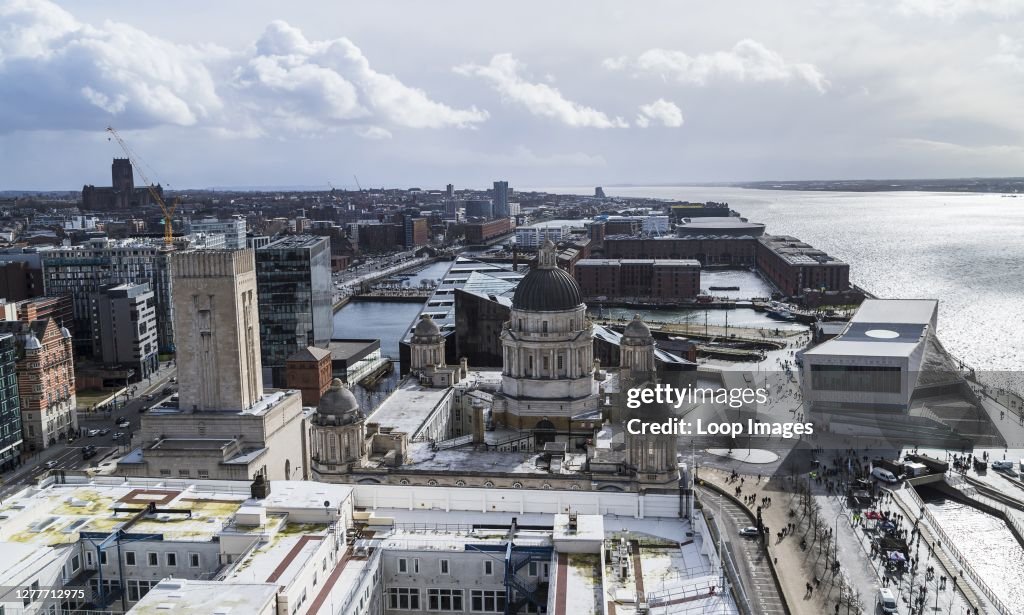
68	456
748	554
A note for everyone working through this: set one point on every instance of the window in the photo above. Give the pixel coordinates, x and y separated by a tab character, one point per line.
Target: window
444	599
204	474
193	560
172	559
129	558
404	598
487	601
403	565
88	559
488	567
444	566
154	559
533	569
76	563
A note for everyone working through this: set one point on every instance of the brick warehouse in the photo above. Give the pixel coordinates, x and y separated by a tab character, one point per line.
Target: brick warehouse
657	280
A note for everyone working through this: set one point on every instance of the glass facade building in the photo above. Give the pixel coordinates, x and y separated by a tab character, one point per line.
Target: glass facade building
293	284
10	407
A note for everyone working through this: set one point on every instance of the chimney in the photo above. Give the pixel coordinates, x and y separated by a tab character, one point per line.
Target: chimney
260	488
478	422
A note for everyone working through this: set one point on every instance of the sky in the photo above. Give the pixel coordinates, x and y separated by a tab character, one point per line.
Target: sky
590	92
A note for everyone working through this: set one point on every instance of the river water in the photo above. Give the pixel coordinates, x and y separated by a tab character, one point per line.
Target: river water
986	542
964	249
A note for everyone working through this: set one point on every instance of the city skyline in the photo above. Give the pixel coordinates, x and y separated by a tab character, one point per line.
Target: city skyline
413	94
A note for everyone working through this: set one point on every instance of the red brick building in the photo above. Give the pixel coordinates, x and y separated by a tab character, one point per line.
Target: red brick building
638	279
479	232
708	250
309	370
46	381
794	266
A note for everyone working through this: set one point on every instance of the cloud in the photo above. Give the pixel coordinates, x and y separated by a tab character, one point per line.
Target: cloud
60	73
1011	53
661	110
747	61
503	73
520	156
954	9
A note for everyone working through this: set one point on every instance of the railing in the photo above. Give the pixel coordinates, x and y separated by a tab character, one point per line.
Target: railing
999	605
370	568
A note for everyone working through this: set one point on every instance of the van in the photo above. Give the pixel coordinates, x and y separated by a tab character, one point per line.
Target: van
1002	465
884	475
887	601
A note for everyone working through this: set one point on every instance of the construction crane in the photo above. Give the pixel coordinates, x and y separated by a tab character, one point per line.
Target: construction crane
357	183
168	212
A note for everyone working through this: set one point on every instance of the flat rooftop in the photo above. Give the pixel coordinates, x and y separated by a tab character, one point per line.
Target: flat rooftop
293	242
896	311
205	597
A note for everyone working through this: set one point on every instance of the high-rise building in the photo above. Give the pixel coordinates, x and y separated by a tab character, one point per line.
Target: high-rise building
124	328
46	380
223	425
449	191
10	409
501	199
80	271
233	230
293	277
479	208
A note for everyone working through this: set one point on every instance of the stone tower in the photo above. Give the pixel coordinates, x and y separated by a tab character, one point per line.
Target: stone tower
426	346
652	457
216	328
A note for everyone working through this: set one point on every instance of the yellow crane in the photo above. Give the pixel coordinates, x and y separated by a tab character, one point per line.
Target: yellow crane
168	212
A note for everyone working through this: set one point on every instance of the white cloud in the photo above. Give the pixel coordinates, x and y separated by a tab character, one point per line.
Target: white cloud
333	82
747	61
520	156
954	9
661	110
1011	53
503	73
60	73
373	132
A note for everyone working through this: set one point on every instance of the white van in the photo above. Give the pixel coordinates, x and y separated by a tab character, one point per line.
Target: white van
887	601
1002	465
884	475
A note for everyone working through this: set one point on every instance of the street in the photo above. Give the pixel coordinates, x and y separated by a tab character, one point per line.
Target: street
68	455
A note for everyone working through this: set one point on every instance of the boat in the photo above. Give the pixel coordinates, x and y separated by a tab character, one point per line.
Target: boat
723	287
779	311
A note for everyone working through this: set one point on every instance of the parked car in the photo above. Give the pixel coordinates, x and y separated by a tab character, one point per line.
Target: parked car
119	435
149	397
750	530
123	422
89	452
51	464
103	431
93	432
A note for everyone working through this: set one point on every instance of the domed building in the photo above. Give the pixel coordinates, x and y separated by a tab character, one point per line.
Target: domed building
337	432
426	356
548	351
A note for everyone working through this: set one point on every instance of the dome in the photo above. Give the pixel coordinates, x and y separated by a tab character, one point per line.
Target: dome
65	333
32	343
547	288
425	328
337	401
637	329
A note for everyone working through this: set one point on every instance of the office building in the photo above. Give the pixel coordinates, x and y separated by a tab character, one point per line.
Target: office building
124	329
501	208
293	278
11	439
46	381
79	272
532	237
482	209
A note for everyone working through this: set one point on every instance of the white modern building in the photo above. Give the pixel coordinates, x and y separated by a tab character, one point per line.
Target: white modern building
874	364
532	237
233	230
